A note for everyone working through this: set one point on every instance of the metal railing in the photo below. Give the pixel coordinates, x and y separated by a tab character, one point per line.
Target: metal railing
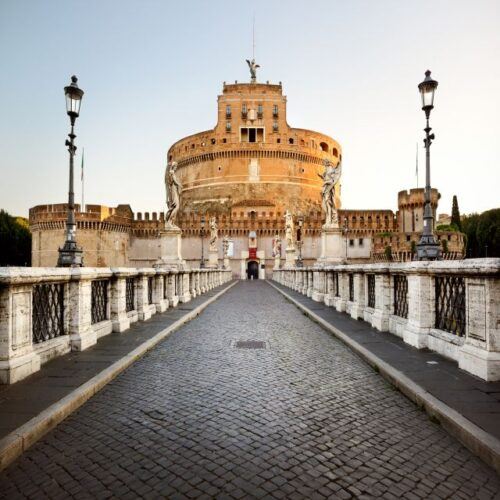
99	301
400	295
129	294
48	311
450	304
371	290
150	290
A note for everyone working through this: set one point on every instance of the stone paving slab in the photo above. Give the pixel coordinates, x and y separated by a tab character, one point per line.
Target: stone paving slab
196	417
24	400
442	378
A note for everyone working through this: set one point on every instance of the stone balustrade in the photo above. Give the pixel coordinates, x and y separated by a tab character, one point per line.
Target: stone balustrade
450	307
47	312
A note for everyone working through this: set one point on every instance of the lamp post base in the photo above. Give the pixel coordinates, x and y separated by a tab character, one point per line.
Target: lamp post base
428	249
70	255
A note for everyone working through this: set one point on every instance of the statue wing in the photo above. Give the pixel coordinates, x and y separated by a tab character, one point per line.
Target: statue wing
248	62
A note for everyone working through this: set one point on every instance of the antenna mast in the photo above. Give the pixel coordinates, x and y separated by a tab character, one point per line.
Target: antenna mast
253	38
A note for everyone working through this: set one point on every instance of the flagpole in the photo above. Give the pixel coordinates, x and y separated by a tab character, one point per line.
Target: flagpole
416	167
83	184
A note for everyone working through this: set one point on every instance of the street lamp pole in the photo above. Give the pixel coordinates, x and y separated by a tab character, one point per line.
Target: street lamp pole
428	247
345	234
300	262
70	255
202	234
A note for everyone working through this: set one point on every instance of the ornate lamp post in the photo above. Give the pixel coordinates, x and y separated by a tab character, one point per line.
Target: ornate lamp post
345	229
202	234
70	255
299	261
428	248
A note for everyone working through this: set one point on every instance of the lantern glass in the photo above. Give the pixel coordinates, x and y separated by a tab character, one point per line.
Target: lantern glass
73	97
427	89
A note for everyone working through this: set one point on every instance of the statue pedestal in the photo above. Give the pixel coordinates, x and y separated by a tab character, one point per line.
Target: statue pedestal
170	248
213	259
332	246
290	259
277	262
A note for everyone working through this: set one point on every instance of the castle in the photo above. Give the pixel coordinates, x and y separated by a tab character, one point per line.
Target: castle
246	171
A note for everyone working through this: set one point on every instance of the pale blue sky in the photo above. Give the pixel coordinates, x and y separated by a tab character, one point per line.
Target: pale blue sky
151	72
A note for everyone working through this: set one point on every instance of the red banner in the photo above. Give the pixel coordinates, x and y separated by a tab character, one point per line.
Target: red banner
252	253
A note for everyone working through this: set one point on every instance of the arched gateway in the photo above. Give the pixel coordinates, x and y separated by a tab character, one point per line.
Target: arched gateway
252	270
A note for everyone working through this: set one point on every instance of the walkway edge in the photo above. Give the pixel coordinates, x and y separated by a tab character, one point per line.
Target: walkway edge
481	443
18	441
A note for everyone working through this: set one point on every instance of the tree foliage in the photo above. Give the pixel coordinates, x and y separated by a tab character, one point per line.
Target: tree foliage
482	234
455	214
15	241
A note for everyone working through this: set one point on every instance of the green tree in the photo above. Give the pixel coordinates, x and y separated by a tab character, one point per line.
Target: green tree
455	214
15	241
488	233
388	252
482	232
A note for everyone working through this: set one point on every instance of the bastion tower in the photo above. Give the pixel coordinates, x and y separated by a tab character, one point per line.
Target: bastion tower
252	160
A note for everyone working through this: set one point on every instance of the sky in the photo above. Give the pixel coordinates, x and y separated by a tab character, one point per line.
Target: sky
151	71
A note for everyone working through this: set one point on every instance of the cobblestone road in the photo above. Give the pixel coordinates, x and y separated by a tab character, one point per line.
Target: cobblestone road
304	418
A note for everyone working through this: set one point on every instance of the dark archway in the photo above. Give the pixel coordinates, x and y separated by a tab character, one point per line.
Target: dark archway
253	270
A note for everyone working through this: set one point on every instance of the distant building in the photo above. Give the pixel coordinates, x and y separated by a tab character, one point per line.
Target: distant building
247	171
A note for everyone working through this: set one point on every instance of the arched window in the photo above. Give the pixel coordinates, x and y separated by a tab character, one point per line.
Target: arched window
335	153
290	141
324	147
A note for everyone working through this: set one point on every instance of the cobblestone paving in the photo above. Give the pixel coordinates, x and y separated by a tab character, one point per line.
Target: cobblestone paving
304	418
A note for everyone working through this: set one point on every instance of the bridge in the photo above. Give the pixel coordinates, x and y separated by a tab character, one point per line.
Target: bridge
157	383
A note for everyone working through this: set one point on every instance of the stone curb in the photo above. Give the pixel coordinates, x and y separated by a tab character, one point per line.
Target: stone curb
481	443
18	441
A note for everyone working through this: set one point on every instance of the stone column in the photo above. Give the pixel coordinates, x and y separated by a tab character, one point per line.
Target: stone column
310	283
160	302
197	282
184	295
420	310
144	308
358	305
383	302
342	299
18	358
330	292
118	300
81	333
480	355
173	298
318	294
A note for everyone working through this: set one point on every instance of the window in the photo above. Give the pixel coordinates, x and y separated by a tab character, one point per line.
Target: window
260	111
290	141
228	111
212	141
323	146
224	140
278	140
228	126
408	237
275	110
351	243
275	126
360	242
244	110
335	152
252	134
